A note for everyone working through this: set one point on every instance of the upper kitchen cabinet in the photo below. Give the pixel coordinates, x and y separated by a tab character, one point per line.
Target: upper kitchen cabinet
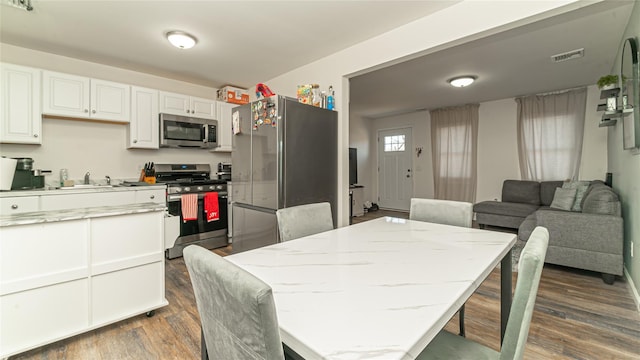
224	126
184	105
144	125
81	97
20	119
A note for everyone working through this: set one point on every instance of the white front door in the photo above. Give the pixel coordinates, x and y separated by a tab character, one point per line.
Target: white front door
395	169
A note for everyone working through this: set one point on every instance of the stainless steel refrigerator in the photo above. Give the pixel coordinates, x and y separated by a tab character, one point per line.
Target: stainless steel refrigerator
284	153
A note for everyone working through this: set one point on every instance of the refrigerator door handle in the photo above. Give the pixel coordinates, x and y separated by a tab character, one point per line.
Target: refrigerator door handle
255	208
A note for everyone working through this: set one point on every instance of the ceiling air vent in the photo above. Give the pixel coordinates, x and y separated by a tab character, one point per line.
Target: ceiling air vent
573	54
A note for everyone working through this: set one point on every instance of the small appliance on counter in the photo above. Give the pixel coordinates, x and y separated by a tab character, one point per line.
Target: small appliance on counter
25	177
224	171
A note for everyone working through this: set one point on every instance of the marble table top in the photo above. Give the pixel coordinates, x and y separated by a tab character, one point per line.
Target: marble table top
38	217
381	289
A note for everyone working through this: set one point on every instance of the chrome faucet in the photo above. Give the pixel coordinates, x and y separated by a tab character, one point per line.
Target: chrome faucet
86	178
108	179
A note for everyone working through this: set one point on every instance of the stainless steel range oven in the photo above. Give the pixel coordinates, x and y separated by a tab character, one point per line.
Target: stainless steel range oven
194	179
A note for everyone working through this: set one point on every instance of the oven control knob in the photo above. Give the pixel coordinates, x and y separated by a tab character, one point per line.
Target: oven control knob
186	188
219	187
177	189
200	188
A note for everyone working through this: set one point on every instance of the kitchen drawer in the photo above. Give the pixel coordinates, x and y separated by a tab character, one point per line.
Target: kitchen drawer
127	292
125	241
18	205
154	196
36	317
86	200
42	254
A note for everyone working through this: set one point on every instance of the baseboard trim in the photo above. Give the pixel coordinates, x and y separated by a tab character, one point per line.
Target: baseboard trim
633	289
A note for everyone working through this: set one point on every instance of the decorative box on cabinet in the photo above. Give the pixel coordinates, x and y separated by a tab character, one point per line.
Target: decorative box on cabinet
80	97
143	128
20	109
184	105
224	126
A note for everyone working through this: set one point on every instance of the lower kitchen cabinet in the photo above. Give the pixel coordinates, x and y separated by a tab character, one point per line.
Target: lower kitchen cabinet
62	278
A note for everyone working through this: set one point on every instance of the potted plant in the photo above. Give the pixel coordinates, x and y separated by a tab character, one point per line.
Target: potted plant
608	82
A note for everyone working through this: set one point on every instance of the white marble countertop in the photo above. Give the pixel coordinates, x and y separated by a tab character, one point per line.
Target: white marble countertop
77	214
77	190
381	289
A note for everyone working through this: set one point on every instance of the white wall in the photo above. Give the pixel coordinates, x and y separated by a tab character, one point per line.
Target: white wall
625	167
463	21
497	147
99	148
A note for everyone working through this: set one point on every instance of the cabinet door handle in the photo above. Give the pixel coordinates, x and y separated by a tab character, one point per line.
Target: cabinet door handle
14	206
135	141
93	111
152	197
35	135
86	110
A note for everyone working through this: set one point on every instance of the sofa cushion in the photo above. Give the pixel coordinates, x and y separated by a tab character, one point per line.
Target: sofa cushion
602	201
547	190
595	184
505	208
521	191
581	188
564	199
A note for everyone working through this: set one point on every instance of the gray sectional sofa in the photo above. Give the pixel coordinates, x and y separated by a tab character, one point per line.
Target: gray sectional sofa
590	239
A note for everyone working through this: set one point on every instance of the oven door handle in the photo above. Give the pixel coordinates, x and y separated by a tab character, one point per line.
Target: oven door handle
178	197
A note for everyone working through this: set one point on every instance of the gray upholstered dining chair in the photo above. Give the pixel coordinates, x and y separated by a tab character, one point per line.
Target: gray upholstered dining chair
449	346
447	212
237	310
302	220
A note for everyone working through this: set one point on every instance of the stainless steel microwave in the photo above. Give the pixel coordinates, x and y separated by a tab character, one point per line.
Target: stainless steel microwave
184	131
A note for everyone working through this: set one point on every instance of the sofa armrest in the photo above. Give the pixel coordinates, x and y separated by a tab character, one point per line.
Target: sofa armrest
591	232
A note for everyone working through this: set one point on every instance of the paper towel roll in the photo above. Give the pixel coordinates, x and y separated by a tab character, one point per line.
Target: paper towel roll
7	170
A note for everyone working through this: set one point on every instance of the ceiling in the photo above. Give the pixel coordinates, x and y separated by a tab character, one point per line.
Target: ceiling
242	43
509	64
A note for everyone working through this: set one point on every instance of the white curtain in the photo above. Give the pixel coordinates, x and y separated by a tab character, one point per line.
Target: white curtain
550	131
454	134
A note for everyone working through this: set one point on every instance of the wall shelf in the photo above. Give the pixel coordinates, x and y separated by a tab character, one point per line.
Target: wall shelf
607	122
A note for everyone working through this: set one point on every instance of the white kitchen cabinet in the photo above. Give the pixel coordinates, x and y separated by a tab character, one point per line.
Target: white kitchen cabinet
20	108
63	278
82	97
185	105
43	284
157	196
85	200
144	126
224	126
18	205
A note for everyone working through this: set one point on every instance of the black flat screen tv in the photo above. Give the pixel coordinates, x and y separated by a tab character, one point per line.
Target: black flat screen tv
353	166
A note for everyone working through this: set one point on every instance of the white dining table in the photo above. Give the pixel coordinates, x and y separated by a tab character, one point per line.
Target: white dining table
381	289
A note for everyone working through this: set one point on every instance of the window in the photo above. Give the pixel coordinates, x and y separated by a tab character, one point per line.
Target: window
550	131
454	133
394	143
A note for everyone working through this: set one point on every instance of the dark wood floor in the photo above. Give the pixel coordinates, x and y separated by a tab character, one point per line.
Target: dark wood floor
576	316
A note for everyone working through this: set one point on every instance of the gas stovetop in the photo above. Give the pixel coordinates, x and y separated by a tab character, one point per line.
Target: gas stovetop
188	178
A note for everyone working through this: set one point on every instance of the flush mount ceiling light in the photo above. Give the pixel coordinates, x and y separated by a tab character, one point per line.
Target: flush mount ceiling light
462	81
181	39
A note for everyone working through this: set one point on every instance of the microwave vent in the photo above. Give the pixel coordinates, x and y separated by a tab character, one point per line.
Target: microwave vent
569	55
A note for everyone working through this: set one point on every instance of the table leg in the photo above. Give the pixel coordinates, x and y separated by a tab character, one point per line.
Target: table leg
505	293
